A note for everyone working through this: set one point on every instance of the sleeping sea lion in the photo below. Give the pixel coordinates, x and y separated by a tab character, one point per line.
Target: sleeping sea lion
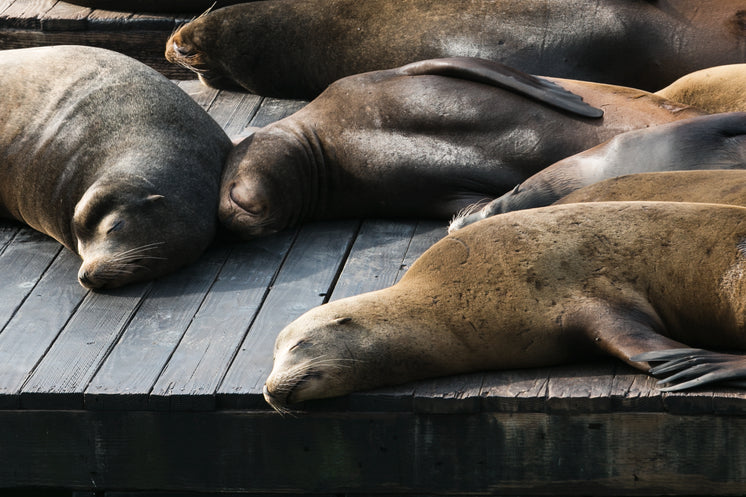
716	89
532	289
296	48
424	140
716	186
108	157
716	141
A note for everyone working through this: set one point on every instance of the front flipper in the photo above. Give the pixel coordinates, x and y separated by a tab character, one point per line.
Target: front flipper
695	367
496	74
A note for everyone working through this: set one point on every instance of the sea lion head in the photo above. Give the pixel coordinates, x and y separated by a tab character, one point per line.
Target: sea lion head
125	231
334	349
261	189
190	46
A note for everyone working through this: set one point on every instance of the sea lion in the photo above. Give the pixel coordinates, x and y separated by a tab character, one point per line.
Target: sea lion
265	47
716	186
716	141
108	157
716	89
532	289
423	140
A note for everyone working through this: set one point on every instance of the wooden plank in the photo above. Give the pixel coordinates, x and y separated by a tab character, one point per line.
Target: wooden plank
304	281
375	258
523	390
203	95
365	453
274	109
65	17
109	20
25	14
449	395
580	388
129	372
427	233
22	264
36	324
233	111
63	374
201	359
8	231
146	46
633	390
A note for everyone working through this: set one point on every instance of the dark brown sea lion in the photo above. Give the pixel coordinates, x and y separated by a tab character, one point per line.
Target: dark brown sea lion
716	89
426	140
108	157
295	48
535	288
716	186
716	141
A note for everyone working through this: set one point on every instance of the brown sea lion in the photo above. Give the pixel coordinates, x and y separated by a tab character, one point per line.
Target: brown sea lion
296	48
716	141
424	140
716	89
531	289
108	157
716	186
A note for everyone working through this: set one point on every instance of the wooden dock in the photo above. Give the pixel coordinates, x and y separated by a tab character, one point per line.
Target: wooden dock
155	389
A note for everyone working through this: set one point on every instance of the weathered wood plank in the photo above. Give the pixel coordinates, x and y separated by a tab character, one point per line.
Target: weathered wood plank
65	17
427	233
5	4
63	374
234	110
145	46
22	264
36	324
26	14
8	231
129	372
633	390
273	109
375	258
375	453
304	281
449	395
204	354
580	388
109	20
522	390
203	95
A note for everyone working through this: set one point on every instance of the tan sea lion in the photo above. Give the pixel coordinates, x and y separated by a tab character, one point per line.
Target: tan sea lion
296	48
716	141
531	289
108	157
424	140
716	186
716	89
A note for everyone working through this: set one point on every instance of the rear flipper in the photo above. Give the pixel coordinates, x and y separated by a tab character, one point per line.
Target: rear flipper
695	367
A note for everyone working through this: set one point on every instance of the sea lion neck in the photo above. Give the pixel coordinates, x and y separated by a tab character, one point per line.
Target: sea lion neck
306	164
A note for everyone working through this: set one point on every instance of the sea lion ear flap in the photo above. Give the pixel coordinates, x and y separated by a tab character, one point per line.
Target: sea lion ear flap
153	196
496	74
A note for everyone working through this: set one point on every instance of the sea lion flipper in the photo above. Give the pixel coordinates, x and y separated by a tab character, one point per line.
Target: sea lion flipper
496	74
694	367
